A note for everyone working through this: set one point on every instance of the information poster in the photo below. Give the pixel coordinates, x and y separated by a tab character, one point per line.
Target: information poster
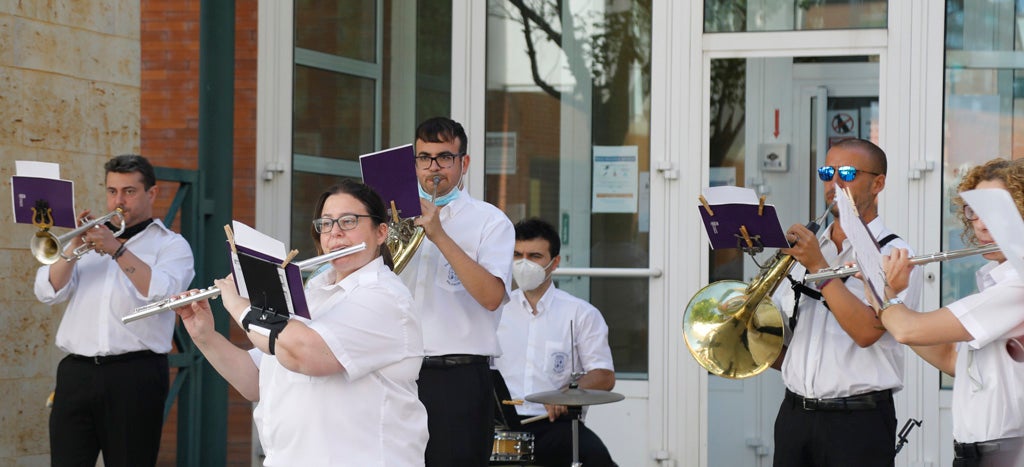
615	187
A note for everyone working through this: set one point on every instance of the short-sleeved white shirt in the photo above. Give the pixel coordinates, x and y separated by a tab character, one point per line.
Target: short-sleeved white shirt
537	349
822	360
988	393
367	415
453	321
100	295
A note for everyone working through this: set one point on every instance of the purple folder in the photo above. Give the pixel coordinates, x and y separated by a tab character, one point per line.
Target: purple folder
392	174
260	277
723	228
58	194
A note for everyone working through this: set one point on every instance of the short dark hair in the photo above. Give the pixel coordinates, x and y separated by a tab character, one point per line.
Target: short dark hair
369	199
128	163
529	229
876	153
442	130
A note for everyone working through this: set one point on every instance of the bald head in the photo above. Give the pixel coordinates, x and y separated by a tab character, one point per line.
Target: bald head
875	155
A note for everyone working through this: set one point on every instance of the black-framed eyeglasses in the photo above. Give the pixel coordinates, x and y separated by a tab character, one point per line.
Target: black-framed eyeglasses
846	173
969	214
443	160
347	222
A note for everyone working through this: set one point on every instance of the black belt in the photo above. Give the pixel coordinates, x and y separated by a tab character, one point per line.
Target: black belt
103	359
982	448
866	401
448	361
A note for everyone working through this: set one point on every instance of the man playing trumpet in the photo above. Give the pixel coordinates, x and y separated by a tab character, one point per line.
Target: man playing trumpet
112	385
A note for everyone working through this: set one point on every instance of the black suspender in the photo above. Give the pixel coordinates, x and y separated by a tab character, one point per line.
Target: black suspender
799	288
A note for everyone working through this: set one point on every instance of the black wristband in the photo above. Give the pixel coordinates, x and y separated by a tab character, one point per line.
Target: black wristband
272	322
117	254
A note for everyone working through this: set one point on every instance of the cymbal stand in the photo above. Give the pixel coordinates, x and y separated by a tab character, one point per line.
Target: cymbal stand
576	411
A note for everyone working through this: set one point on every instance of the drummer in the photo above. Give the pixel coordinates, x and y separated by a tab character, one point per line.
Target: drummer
538	350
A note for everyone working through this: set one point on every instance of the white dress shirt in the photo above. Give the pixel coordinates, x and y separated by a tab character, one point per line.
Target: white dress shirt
453	321
822	360
101	294
988	392
367	415
537	348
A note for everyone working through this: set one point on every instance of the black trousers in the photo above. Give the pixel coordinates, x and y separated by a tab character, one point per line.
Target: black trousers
818	438
553	444
460	414
115	407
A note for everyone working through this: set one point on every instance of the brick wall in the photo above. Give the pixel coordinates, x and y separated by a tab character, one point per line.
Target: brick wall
169	137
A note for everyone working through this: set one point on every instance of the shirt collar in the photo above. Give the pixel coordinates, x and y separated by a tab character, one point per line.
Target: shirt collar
368	272
999	272
542	305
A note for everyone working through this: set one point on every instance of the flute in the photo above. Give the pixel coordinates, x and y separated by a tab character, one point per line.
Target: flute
837	272
214	291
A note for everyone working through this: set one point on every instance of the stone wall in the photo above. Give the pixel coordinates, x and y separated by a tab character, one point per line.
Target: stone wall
69	93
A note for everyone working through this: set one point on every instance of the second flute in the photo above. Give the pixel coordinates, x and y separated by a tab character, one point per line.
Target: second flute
835	273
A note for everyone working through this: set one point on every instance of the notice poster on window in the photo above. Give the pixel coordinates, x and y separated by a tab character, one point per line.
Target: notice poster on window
615	179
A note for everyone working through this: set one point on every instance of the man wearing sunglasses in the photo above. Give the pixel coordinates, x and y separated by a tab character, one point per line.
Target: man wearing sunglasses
459	276
840	367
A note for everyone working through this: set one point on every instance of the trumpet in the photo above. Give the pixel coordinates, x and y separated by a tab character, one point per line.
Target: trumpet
844	271
48	248
213	291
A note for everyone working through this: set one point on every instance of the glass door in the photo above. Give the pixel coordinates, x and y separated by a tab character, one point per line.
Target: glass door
771	122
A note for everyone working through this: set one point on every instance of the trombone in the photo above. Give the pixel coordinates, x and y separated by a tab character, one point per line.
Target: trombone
844	271
48	248
213	291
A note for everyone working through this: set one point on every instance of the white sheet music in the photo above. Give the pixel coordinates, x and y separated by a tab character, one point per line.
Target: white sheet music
865	249
997	210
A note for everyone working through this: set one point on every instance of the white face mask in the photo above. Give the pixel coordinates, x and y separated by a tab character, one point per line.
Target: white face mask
529	275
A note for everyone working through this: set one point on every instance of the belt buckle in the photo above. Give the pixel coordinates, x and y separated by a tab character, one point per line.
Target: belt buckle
811	406
96	359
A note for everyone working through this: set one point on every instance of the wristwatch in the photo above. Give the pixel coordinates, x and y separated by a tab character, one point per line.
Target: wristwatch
890	302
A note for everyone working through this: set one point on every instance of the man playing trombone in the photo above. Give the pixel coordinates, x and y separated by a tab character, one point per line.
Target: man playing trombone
840	367
111	387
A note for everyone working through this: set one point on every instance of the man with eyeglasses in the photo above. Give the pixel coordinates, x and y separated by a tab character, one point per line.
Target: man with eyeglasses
459	276
840	367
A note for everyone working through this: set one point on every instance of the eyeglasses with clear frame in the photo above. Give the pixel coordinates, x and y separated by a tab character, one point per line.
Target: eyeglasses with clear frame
347	222
846	173
443	160
969	214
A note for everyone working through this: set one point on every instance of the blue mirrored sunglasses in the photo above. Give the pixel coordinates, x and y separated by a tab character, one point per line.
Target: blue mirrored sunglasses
846	173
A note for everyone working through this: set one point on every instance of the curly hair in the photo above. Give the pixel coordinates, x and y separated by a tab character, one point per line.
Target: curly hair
1010	172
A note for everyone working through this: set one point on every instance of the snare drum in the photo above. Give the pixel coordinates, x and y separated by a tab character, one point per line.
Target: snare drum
512	446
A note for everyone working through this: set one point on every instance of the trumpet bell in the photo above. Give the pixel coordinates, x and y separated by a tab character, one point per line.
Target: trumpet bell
45	247
731	335
404	237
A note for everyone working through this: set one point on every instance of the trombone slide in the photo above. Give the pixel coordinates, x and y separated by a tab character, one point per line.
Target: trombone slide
214	291
844	271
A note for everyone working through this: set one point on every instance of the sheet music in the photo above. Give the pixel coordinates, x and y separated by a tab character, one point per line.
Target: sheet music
39	182
736	207
37	169
997	210
865	248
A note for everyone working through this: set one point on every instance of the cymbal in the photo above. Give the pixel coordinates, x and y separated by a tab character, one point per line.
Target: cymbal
575	396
